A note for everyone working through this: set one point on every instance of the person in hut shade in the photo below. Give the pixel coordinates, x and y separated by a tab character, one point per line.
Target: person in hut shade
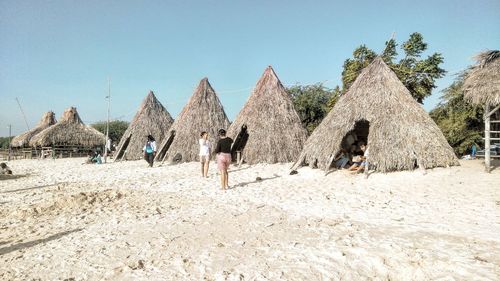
150	150
223	150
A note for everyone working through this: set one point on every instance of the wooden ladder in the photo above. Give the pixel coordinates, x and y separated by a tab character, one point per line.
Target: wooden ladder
488	114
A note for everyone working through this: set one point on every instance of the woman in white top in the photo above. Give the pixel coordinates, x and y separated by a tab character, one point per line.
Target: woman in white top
204	154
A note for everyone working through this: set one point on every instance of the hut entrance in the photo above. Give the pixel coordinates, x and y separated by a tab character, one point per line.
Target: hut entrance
240	142
164	149
121	152
357	136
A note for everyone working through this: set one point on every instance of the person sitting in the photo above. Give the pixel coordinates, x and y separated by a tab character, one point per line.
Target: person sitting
97	158
341	160
4	169
360	164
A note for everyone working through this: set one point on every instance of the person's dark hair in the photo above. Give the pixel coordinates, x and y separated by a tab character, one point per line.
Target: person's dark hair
150	138
3	165
202	133
222	132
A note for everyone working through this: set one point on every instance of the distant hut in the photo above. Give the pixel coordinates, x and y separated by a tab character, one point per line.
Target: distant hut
482	87
203	112
48	119
379	110
268	128
69	131
151	119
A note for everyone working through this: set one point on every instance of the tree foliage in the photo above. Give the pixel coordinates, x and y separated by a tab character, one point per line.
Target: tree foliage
416	73
312	103
461	123
116	129
4	142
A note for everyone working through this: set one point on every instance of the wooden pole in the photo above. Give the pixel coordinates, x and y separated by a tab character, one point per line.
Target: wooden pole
10	144
107	123
487	158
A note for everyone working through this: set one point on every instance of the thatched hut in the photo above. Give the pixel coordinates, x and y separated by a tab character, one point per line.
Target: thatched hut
151	119
379	110
203	112
268	129
69	131
22	140
482	86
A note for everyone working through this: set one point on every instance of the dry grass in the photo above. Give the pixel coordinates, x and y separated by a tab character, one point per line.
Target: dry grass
401	133
48	119
69	131
275	133
203	112
482	82
151	119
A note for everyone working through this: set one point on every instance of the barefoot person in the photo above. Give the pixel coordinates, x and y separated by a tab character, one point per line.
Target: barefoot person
150	150
223	150
205	147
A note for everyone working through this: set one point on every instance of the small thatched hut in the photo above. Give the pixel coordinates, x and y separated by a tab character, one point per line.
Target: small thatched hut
151	119
48	119
203	112
268	129
482	86
69	131
379	110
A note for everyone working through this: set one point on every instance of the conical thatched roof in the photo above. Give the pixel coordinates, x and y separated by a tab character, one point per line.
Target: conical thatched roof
48	119
482	82
151	119
400	133
274	132
70	130
203	112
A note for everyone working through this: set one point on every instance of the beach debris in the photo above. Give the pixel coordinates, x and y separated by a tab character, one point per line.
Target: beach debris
258	179
294	172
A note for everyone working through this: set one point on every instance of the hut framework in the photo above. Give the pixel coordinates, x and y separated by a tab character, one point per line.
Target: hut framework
22	140
482	86
379	110
268	128
151	119
203	112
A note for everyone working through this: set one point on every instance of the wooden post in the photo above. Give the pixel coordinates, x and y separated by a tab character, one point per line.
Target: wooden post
238	156
487	157
367	167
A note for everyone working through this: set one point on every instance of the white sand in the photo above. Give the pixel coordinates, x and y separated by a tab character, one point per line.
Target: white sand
124	221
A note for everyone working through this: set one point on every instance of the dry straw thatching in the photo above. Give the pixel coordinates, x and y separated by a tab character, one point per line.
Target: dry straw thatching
69	131
48	119
482	82
203	112
274	132
400	134
151	119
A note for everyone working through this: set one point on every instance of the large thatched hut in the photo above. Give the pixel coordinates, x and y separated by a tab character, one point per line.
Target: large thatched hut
69	131
379	110
268	129
151	119
482	87
203	112
22	140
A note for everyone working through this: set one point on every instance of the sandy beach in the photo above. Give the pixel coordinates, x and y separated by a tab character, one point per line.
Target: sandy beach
125	221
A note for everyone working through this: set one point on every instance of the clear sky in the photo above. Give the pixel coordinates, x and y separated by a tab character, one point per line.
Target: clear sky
56	54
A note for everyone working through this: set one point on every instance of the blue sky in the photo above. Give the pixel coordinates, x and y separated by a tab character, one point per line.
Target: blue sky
56	54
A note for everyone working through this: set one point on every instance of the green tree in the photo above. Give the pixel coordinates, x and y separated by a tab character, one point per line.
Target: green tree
311	103
416	73
116	129
4	142
461	123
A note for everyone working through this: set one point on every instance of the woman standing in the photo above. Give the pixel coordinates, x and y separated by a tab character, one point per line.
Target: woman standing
223	150
204	154
150	150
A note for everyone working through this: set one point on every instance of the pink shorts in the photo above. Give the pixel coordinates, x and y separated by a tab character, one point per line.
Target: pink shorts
223	161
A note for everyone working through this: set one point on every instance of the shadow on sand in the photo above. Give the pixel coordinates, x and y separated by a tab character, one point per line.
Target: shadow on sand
28	188
11	177
255	181
24	245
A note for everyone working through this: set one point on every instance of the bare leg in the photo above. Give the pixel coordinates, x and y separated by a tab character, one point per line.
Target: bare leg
202	169
226	178
205	170
222	180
